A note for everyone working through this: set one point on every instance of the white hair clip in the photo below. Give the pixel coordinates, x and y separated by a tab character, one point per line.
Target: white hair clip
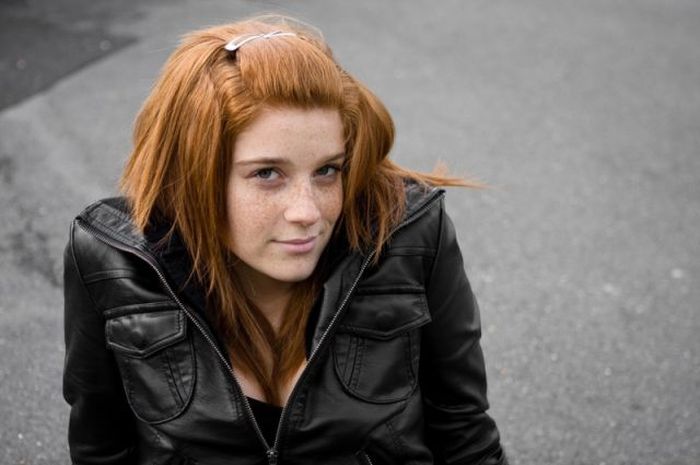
239	41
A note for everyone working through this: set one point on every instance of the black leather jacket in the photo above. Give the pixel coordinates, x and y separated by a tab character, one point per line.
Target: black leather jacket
395	372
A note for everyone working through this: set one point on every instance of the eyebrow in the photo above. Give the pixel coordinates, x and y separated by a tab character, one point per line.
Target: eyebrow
282	160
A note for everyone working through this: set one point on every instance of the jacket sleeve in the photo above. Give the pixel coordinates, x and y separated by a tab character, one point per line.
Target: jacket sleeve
452	372
100	426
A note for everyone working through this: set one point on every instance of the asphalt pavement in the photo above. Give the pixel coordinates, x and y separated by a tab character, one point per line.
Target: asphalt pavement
583	117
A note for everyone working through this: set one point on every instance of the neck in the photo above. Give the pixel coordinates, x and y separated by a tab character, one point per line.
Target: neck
269	295
272	305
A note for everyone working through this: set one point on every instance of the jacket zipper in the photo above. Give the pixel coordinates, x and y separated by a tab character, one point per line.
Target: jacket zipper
272	453
369	460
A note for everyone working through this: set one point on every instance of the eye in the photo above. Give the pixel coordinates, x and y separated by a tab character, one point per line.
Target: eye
266	174
328	170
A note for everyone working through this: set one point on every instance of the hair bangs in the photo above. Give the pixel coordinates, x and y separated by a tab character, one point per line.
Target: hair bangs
290	70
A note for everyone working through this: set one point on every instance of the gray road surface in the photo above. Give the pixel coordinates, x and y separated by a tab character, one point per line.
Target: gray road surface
584	117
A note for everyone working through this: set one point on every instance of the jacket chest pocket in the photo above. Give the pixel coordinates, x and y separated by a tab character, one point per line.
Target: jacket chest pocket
376	351
156	361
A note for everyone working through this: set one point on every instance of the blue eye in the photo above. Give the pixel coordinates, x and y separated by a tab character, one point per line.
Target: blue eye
266	174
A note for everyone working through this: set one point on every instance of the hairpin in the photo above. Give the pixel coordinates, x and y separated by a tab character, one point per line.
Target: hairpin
234	45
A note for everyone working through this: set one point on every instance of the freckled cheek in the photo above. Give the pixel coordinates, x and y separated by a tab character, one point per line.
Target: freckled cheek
332	204
250	216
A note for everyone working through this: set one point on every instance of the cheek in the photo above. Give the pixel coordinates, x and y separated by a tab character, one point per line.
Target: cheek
333	203
248	215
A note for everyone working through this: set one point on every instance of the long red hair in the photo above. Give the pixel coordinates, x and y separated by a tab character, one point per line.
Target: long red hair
183	145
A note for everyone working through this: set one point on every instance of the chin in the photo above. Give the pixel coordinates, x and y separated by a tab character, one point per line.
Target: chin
294	274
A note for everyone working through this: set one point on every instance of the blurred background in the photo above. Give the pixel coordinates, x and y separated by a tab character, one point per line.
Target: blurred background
582	116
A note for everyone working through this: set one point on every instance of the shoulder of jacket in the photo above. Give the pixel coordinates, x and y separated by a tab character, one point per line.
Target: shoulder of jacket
86	215
90	252
112	218
420	228
116	205
418	197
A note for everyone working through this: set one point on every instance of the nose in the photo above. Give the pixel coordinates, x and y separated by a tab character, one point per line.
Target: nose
302	207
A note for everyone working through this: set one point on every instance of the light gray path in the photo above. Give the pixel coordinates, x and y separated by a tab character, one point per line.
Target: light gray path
584	117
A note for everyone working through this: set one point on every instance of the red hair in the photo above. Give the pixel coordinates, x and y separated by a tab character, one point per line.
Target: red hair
183	145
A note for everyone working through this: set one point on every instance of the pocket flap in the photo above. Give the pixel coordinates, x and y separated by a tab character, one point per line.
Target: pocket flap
384	316
142	334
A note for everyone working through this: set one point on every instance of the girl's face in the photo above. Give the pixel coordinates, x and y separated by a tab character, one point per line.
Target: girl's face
284	193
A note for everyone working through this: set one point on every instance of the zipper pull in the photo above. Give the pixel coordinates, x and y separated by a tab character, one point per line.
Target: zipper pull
272	457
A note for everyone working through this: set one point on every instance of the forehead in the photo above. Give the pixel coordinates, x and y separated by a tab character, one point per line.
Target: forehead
291	132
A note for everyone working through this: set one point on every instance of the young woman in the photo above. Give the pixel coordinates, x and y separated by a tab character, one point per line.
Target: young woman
271	288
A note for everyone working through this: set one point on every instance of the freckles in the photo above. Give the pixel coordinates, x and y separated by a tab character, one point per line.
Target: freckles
334	203
255	211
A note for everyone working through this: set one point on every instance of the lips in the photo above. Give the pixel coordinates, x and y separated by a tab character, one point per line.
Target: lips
300	245
299	241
